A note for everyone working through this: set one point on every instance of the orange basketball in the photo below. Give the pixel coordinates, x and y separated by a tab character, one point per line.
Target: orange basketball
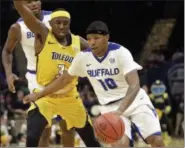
109	128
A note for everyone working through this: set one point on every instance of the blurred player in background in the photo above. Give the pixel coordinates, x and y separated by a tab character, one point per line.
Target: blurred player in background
19	32
113	74
5	138
161	102
55	49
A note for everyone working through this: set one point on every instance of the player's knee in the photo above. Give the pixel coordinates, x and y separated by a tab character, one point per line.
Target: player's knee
63	126
46	134
155	140
64	129
68	133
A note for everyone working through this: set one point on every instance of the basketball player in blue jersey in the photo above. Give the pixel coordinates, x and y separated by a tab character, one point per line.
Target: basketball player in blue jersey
19	32
112	72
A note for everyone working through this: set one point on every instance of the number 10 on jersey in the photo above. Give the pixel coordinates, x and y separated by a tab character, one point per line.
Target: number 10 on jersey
108	83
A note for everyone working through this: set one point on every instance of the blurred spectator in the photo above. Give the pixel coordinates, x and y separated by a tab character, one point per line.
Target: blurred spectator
90	100
177	55
55	137
155	59
2	102
143	79
16	112
161	102
3	84
5	138
19	110
8	105
176	74
180	118
176	86
89	97
21	138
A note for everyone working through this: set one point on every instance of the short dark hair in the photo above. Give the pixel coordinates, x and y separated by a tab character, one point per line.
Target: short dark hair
97	27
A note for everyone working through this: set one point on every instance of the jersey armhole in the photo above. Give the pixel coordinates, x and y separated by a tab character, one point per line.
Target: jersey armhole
38	53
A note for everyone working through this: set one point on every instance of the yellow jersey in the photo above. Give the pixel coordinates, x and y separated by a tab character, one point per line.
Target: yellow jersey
54	59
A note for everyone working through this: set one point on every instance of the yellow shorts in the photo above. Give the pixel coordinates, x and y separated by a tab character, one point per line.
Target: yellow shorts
71	110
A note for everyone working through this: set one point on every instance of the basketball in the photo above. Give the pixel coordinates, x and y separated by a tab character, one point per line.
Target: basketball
109	128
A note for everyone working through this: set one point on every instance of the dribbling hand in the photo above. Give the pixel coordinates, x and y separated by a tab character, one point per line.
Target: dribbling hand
11	78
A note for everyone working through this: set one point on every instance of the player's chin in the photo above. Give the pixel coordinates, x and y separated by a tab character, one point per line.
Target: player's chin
36	12
61	35
95	51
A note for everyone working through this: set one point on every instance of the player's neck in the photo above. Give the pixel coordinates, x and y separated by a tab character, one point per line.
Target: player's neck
63	41
39	16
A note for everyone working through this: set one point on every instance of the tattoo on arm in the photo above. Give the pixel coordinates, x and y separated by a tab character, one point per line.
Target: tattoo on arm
134	87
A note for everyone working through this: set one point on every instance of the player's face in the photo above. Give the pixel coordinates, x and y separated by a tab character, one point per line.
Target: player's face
34	6
97	42
60	26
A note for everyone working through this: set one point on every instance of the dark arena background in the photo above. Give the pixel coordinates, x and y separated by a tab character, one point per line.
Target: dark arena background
153	31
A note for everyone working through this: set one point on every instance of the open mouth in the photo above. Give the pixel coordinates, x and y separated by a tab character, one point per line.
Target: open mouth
94	48
35	10
61	33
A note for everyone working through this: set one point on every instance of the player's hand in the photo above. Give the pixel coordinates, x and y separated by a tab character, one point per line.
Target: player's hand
19	111
11	78
30	98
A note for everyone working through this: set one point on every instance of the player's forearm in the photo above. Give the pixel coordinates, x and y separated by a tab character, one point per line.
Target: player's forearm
20	6
129	98
56	85
7	61
26	14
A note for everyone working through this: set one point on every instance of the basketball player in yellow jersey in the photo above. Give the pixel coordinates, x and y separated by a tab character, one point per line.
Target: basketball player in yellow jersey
55	50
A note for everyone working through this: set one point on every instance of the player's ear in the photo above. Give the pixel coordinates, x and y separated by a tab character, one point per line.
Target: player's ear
107	37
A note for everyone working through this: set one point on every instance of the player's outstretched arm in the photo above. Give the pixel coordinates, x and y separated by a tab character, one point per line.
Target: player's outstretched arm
57	84
132	79
74	70
34	24
54	86
13	38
